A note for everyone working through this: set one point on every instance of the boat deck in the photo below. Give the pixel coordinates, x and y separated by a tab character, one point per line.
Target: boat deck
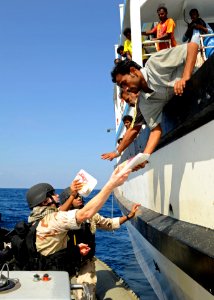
110	286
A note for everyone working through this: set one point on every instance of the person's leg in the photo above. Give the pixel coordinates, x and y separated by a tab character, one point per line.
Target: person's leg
87	275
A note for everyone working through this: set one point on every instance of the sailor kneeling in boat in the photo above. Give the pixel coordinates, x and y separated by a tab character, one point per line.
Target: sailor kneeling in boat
164	75
85	265
54	222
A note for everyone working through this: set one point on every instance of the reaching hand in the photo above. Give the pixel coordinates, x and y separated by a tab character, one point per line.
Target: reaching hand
118	178
75	186
109	156
134	209
140	166
179	86
84	249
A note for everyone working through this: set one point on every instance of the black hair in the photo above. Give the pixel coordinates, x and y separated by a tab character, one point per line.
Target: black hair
192	11
119	140
121	93
117	60
123	67
162	7
127	117
50	194
120	48
126	31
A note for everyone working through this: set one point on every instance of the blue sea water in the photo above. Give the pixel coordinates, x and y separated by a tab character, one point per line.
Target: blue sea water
114	248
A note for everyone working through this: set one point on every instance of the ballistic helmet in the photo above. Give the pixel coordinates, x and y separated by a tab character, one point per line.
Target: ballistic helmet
38	193
66	193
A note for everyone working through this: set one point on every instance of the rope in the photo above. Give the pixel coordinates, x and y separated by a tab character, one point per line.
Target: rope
112	208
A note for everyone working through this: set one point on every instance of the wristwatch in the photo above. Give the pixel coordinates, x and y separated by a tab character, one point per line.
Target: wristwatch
127	216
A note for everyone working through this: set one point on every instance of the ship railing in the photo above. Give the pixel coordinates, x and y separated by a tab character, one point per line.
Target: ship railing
206	44
85	290
150	46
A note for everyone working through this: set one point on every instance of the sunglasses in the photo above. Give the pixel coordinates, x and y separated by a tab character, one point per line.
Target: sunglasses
78	196
50	194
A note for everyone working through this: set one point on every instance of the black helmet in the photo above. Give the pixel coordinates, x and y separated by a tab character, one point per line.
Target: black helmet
38	193
66	193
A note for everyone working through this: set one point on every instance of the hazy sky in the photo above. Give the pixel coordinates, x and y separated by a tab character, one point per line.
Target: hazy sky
56	90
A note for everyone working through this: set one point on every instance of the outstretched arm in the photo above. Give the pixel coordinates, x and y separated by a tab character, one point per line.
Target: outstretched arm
131	215
149	32
97	202
166	36
128	138
192	51
114	223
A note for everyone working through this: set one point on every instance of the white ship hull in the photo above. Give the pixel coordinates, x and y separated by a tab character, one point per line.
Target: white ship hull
177	178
